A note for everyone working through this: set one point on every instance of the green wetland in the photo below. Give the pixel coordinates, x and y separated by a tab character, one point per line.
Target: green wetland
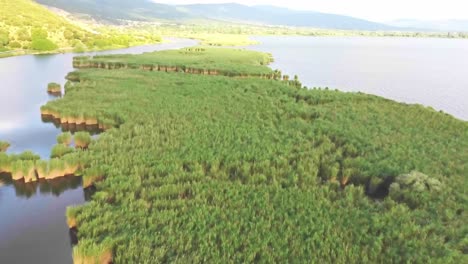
209	156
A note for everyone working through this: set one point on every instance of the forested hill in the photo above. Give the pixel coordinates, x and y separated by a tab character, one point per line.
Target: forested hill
26	26
117	10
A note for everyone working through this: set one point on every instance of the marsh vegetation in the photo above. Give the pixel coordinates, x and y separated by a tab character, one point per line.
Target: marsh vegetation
200	168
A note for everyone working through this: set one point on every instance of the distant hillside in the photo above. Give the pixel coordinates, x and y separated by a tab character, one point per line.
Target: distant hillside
280	16
27	27
115	10
440	25
145	10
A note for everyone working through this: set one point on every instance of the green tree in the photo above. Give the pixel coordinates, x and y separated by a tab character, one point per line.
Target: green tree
4	38
39	33
43	45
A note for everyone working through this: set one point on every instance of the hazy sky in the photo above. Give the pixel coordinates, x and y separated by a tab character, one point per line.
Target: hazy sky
377	10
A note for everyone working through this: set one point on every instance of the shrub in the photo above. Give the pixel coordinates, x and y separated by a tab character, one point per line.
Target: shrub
414	188
4	38
39	33
43	45
15	45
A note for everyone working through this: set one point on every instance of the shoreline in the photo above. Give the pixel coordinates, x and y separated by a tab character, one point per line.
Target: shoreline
17	53
202	41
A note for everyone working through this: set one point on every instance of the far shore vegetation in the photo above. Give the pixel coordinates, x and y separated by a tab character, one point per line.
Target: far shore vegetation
38	30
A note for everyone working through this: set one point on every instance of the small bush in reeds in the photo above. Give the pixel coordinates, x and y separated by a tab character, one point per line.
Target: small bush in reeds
82	139
4	146
64	138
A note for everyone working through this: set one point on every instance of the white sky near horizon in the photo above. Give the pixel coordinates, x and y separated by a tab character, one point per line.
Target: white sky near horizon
375	10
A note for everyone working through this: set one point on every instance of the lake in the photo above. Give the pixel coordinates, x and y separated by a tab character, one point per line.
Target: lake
431	72
33	228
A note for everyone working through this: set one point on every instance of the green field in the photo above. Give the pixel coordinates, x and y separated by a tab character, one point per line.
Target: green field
217	169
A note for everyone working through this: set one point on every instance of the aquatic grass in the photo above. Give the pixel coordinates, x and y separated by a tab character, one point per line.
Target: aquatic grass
17	163
91	176
60	150
87	252
73	163
64	138
56	169
26	155
30	167
5	162
42	169
23	169
82	139
71	214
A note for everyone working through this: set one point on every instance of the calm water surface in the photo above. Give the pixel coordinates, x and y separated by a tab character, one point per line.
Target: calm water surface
32	216
431	72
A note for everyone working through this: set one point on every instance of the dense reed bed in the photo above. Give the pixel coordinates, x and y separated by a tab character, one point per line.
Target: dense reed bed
31	168
198	60
65	160
212	169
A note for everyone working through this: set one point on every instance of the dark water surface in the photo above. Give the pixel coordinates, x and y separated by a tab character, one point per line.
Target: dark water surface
32	216
431	72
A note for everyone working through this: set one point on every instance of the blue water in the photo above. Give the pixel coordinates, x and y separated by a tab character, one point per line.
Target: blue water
427	71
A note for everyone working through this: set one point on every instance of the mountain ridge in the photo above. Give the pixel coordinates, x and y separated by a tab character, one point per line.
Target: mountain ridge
145	10
440	25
